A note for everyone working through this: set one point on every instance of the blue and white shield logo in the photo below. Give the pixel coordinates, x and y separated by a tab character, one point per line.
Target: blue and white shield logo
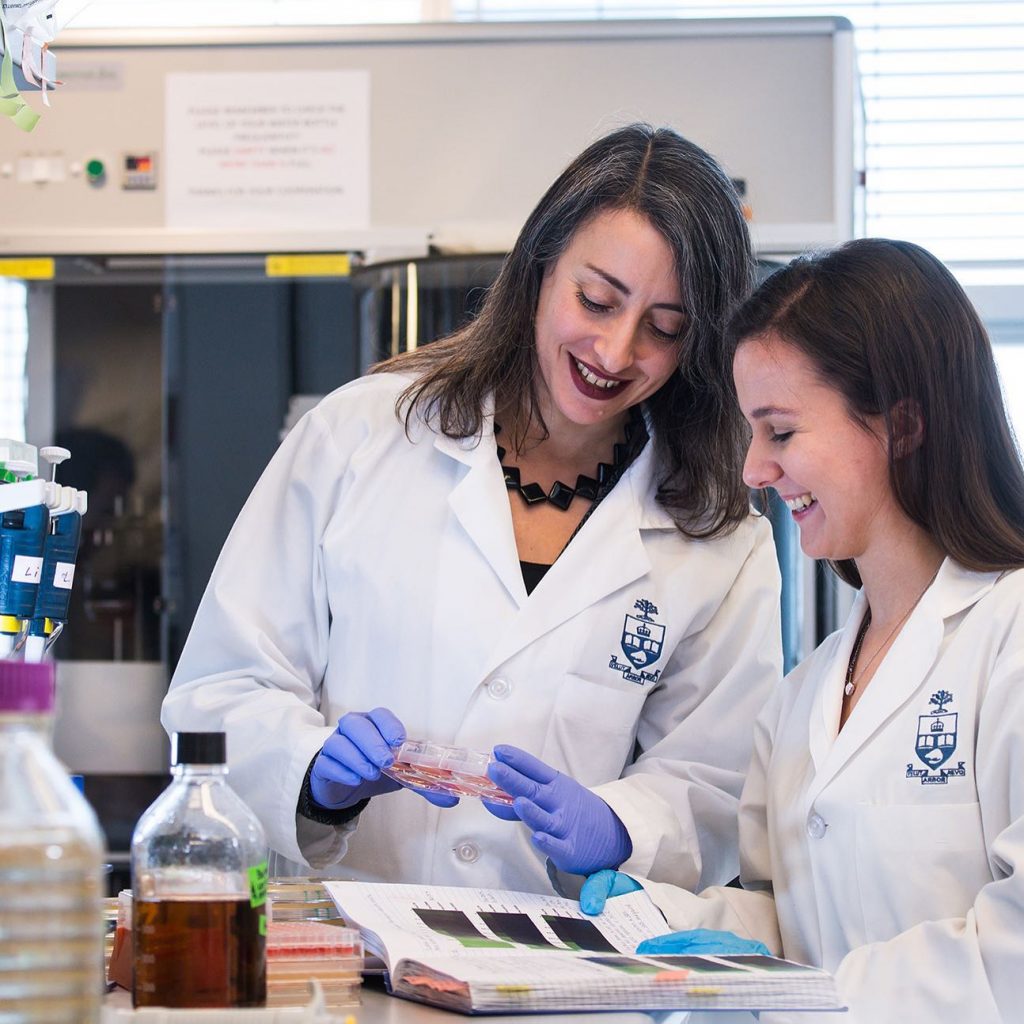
642	637
936	737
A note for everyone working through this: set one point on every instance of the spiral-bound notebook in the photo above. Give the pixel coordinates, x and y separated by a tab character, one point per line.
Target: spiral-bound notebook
494	951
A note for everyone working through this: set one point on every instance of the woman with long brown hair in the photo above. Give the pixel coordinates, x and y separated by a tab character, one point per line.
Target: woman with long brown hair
882	822
531	532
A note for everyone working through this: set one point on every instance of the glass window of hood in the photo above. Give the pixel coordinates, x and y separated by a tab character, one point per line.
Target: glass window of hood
407	303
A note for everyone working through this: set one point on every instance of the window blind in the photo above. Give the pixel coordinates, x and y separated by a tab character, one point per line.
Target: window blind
221	13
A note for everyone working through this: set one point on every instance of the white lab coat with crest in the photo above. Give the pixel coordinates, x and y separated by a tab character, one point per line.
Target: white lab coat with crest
892	852
373	568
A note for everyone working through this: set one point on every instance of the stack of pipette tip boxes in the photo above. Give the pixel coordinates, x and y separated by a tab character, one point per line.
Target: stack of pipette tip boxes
298	951
307	938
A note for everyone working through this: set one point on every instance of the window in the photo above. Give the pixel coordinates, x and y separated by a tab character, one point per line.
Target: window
13	346
1008	345
206	13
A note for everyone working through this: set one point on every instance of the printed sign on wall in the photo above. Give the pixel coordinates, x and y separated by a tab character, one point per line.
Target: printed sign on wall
250	151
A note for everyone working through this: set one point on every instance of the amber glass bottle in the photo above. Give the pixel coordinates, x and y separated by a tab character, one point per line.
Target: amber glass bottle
199	878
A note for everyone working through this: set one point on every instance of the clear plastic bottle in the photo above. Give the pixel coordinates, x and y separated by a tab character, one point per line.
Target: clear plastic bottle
51	863
199	883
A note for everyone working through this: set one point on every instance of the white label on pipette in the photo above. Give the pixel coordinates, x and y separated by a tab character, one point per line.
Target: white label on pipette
27	569
64	575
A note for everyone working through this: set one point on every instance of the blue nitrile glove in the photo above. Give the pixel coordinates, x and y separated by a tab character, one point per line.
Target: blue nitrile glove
574	827
348	767
700	942
601	887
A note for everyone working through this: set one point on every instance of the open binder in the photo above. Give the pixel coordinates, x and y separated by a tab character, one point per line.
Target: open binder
493	951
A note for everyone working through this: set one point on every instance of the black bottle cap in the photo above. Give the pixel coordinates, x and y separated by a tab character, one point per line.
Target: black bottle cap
198	748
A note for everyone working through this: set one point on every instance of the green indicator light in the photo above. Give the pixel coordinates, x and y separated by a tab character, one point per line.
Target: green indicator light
95	170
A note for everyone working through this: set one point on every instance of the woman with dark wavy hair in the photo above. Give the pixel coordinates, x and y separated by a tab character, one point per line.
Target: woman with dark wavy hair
532	532
882	822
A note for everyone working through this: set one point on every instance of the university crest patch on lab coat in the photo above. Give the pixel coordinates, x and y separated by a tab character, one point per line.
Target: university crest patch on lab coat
642	641
936	741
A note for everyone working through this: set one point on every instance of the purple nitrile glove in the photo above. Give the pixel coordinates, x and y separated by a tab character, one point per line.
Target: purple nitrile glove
601	887
571	825
701	942
348	767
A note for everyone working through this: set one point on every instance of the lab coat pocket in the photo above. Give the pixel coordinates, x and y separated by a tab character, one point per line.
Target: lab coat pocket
918	862
593	729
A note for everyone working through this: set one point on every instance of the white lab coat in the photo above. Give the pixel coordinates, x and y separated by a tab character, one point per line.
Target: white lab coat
903	877
368	569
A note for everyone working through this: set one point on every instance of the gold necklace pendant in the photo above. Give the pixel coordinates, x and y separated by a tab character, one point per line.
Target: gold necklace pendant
851	683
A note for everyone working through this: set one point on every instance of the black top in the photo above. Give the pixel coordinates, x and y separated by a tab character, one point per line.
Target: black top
533	573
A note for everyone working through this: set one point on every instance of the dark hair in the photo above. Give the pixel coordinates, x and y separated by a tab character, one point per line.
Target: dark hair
890	328
688	199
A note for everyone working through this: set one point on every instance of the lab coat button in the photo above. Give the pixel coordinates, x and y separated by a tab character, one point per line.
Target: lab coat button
499	688
468	853
816	826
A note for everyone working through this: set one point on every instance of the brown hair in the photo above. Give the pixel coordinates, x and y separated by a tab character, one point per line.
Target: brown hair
688	199
889	327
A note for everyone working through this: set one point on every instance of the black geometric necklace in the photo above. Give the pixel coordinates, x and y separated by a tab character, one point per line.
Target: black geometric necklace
590	488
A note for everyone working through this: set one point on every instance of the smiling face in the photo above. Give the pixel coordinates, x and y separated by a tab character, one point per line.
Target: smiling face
608	320
831	471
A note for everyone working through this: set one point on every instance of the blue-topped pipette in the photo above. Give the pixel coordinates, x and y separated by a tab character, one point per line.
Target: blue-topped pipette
23	528
60	550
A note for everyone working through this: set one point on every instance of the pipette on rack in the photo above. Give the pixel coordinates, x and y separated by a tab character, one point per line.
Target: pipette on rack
23	526
60	550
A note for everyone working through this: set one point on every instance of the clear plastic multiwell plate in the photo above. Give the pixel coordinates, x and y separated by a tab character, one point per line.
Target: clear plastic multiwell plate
456	771
309	940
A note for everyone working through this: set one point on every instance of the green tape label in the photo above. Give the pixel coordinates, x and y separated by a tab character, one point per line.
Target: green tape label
258	884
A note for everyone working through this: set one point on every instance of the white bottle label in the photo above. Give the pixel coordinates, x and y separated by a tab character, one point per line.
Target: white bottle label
64	575
27	569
